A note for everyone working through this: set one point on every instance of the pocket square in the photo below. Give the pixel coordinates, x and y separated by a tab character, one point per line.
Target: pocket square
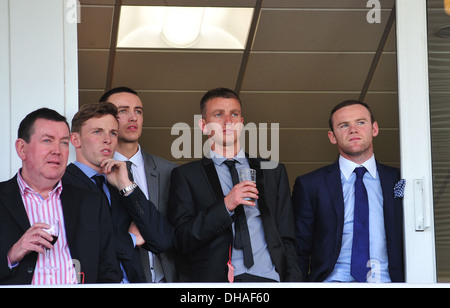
399	189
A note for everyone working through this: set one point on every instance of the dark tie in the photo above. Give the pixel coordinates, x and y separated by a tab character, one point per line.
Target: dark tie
242	237
143	252
360	247
130	173
100	180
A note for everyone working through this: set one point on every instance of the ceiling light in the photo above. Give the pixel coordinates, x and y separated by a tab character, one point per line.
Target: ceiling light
184	27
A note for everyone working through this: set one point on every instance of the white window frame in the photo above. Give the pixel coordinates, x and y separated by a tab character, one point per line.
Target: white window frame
415	141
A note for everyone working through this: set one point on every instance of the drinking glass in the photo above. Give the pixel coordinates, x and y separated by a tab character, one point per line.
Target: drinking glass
247	174
54	232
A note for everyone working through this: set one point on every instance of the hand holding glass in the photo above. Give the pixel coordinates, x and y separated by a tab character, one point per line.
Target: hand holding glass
247	174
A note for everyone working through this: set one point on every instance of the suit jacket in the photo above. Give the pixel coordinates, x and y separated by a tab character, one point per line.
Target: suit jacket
158	171
203	233
154	228
319	218
88	229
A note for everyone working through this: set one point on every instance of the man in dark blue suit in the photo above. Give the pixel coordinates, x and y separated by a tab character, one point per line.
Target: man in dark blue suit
324	207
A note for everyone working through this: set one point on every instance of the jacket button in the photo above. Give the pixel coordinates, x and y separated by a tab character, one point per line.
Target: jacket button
30	270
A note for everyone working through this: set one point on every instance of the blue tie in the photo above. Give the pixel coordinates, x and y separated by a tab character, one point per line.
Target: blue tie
360	247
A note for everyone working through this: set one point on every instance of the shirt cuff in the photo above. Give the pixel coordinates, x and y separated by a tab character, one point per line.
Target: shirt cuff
133	238
13	265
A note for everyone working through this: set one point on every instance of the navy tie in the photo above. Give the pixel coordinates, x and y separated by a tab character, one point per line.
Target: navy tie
360	247
242	236
100	180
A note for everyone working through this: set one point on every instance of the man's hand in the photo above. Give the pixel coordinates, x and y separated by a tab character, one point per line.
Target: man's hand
245	189
116	173
135	231
35	239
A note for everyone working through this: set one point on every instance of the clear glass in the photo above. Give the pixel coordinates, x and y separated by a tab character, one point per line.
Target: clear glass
48	269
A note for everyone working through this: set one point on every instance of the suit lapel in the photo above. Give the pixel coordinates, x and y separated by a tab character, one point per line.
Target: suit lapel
70	205
334	186
387	186
213	178
152	179
14	204
78	173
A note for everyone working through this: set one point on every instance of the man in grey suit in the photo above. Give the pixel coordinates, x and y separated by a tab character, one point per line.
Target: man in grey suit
150	172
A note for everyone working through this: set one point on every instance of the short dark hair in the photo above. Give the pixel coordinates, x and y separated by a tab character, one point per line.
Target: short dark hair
107	94
217	92
92	110
26	127
347	103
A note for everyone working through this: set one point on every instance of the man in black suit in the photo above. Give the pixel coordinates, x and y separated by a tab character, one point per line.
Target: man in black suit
207	206
36	193
136	221
326	207
151	173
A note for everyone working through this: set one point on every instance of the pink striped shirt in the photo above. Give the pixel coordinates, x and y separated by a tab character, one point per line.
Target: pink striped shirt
36	207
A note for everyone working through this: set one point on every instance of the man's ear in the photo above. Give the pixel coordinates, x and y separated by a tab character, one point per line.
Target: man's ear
75	139
332	137
202	124
375	129
21	148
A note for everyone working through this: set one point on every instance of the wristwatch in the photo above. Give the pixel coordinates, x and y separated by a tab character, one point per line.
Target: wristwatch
127	189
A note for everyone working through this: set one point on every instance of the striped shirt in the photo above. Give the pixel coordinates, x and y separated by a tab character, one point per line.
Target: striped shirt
60	258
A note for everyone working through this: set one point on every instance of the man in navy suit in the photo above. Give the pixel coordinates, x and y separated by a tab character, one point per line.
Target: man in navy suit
324	205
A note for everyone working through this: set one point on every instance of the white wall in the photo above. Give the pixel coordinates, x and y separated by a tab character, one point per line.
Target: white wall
38	67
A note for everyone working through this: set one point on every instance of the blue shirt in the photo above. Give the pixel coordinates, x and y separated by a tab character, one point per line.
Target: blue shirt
377	234
263	266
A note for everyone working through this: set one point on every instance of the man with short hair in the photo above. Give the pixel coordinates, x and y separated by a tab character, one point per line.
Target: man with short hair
150	172
226	230
36	193
136	221
348	215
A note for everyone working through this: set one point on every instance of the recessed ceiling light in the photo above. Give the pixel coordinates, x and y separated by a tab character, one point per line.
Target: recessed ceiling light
184	27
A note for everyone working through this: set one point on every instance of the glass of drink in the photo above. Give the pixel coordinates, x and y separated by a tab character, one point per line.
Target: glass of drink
54	232
247	174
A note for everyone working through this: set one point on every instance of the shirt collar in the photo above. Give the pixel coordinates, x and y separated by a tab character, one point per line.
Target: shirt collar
347	166
137	159
26	189
219	159
86	169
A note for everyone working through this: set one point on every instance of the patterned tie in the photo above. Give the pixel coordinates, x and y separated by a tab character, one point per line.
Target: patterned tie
242	237
360	247
130	173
